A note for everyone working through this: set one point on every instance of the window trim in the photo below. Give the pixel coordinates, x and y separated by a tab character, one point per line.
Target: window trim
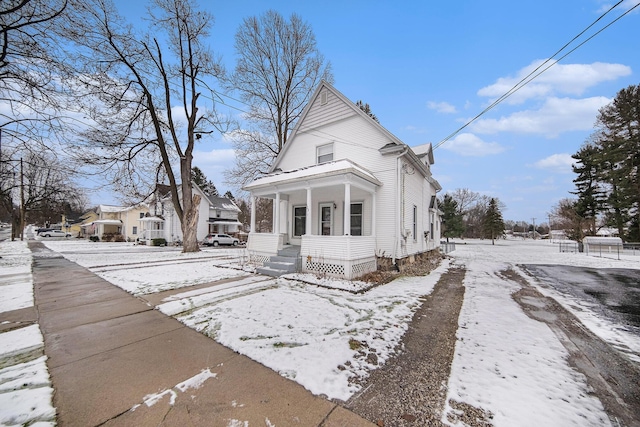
415	223
318	155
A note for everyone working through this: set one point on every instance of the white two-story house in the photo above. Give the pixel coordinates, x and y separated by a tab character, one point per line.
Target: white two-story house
216	215
346	193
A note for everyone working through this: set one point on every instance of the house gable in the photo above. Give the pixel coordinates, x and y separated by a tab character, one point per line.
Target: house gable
337	122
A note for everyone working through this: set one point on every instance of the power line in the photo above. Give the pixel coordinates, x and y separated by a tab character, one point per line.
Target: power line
534	74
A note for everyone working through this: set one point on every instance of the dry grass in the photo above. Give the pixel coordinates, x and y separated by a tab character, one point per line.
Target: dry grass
421	267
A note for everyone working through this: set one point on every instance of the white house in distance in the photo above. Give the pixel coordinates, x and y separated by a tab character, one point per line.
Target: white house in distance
346	192
216	215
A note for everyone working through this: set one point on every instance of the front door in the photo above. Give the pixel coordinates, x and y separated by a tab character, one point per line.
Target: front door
326	219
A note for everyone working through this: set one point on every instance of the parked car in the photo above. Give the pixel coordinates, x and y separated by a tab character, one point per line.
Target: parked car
54	233
42	230
220	239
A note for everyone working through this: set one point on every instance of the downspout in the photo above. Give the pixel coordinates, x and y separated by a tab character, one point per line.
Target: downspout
397	207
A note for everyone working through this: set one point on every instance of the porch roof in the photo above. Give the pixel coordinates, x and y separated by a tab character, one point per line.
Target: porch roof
218	222
108	221
151	219
325	170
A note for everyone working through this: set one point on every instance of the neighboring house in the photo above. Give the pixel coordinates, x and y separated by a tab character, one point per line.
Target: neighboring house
77	229
216	215
346	193
117	220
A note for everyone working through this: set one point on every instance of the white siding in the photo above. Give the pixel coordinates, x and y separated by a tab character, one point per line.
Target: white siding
386	212
356	138
353	138
320	115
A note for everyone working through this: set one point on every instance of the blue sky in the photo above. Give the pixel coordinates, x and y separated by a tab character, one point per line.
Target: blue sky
425	68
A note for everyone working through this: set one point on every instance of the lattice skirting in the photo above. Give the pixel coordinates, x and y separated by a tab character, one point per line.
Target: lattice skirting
258	259
321	267
359	269
342	269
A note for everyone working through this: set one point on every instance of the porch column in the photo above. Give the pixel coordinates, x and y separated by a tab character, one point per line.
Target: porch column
276	216
308	217
253	214
347	209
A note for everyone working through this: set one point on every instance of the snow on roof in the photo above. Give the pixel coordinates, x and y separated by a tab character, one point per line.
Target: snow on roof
222	203
316	171
602	241
111	208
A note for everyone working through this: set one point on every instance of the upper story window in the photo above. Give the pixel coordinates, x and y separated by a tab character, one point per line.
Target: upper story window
324	153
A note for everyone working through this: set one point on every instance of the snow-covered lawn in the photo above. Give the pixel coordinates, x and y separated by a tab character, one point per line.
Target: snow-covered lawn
509	364
317	336
505	362
25	390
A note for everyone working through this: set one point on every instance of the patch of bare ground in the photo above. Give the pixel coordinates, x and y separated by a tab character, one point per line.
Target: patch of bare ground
611	376
411	388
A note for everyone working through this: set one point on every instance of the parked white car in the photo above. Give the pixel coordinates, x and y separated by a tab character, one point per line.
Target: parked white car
220	239
54	233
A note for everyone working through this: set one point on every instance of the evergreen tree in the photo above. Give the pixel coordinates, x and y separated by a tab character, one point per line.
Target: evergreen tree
452	219
367	109
493	222
591	197
201	181
618	139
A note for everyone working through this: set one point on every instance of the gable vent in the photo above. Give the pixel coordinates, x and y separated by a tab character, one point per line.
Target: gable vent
323	97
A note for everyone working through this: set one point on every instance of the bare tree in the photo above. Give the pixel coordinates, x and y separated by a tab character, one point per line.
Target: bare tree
278	68
465	199
567	218
147	102
37	185
29	89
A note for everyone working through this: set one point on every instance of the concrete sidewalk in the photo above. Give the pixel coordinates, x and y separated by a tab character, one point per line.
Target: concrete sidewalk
115	361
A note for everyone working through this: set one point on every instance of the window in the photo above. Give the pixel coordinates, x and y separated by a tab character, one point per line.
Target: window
415	222
135	230
218	213
299	220
356	219
141	215
324	153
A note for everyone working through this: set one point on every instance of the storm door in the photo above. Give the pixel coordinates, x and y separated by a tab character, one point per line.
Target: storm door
326	219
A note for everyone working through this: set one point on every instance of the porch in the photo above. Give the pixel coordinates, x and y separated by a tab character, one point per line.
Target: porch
329	211
152	227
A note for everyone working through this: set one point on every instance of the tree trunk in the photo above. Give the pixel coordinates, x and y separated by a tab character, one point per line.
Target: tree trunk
190	226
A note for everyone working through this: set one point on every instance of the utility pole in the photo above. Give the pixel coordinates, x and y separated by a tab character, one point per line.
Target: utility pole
21	201
534	228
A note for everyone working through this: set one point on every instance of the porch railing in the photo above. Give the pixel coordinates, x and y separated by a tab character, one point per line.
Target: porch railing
340	256
151	234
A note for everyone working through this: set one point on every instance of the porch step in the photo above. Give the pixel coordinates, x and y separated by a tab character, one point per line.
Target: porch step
290	251
280	264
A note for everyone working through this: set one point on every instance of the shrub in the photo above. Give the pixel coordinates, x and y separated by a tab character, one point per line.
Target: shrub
159	242
94	238
118	238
